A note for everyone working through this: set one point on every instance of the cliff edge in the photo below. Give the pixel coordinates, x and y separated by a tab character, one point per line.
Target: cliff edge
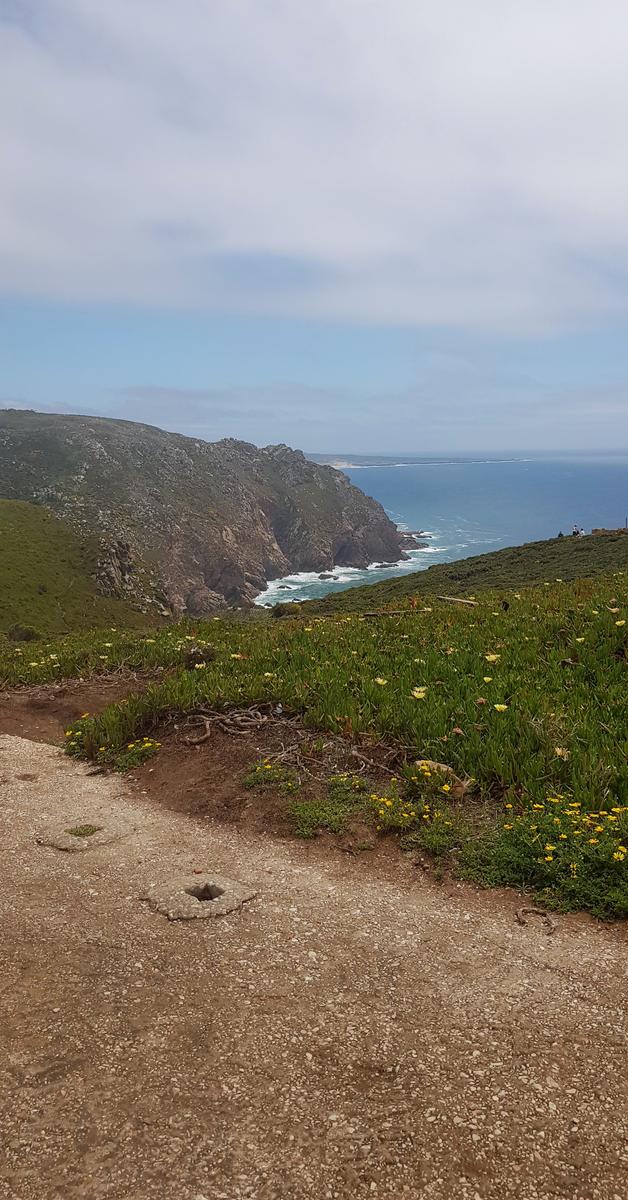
185	525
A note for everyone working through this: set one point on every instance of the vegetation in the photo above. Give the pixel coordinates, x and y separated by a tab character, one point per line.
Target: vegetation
183	521
84	831
343	799
565	558
47	573
528	700
266	774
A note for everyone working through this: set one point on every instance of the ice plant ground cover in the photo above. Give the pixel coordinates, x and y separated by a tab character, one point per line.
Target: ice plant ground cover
528	699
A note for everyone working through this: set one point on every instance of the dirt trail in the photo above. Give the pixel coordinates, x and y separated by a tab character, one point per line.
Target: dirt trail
343	1035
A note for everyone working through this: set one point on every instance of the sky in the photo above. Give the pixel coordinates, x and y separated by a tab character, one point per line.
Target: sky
347	226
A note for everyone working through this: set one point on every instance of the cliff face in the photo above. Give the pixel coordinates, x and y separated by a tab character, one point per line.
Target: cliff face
184	524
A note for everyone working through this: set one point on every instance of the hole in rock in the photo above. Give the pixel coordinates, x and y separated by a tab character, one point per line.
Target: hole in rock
205	891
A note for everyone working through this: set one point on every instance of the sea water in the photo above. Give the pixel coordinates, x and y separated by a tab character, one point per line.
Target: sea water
472	506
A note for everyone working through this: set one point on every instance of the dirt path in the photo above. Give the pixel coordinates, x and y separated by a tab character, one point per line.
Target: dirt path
343	1035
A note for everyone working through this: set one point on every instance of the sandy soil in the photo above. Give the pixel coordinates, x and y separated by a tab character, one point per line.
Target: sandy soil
346	1034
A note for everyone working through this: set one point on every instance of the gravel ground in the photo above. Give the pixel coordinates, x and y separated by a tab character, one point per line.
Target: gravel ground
343	1034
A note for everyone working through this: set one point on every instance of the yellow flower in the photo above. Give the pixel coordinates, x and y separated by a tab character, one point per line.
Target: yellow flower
491	657
488	678
446	787
549	848
623	849
560	752
236	656
500	707
580	639
380	681
507	826
593	841
549	857
417	693
620	622
507	805
618	856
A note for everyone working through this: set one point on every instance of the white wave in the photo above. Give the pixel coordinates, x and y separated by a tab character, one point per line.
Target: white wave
308	584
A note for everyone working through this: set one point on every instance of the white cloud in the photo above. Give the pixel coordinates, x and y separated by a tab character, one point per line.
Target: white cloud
454	163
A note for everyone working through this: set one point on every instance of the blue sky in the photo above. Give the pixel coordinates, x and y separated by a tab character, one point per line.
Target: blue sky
348	227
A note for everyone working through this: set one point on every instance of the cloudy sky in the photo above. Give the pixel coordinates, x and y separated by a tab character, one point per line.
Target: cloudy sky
347	225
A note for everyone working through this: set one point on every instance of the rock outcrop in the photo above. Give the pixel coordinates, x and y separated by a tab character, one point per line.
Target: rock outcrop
186	525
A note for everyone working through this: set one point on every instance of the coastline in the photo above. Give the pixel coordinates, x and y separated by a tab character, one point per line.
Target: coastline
292	587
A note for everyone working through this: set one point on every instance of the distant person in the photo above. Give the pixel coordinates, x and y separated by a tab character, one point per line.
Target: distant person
575	531
560	533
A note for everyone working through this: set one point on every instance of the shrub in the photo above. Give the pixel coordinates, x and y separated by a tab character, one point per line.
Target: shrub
23	633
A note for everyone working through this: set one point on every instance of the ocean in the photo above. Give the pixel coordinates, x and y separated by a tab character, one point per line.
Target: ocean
473	505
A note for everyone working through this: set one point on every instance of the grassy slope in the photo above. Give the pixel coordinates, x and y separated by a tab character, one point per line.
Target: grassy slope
45	576
558	558
531	701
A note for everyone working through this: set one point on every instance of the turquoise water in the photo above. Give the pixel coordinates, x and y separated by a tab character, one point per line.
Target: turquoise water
472	507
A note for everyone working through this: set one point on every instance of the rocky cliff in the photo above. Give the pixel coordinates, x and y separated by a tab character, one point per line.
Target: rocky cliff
184	524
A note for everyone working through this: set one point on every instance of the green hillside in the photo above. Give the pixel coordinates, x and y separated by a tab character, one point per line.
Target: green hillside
46	576
506	723
517	566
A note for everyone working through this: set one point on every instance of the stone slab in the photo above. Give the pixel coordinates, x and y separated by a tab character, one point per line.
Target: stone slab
179	899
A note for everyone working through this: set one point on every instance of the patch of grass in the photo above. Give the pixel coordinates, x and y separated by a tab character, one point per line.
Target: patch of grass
100	651
446	829
568	856
266	774
47	572
84	831
116	758
343	799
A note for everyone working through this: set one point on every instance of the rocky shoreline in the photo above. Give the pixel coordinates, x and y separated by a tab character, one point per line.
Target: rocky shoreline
188	527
